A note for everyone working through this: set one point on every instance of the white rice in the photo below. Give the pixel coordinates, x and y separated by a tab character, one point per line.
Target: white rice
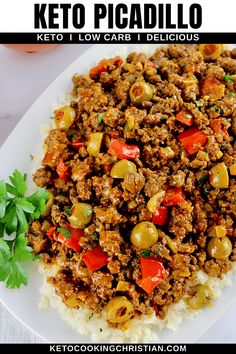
141	330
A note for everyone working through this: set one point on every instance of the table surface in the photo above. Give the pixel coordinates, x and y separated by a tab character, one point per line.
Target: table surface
28	76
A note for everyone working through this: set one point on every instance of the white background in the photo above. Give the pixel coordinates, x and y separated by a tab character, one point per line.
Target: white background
17	16
23	79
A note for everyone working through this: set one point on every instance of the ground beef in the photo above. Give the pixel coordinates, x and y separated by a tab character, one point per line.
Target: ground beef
183	127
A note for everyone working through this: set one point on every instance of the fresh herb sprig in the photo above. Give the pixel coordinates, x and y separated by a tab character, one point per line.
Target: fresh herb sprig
17	211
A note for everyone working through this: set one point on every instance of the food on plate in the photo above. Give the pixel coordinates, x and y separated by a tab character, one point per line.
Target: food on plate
140	172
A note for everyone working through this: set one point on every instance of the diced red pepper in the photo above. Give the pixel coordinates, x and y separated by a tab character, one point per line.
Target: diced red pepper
185	117
95	259
193	140
77	144
153	273
103	66
174	196
51	232
151	266
62	170
118	61
230	231
161	216
218	127
156	309
73	240
123	151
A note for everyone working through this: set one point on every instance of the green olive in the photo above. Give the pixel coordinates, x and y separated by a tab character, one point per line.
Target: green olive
81	215
144	235
64	117
219	248
122	168
119	309
201	296
140	91
94	144
48	205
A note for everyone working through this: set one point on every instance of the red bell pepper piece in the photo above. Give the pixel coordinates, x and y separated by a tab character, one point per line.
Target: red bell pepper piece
77	144
73	240
185	117
123	151
230	231
51	232
161	216
153	273
95	259
193	140
156	309
103	66
62	170
174	196
217	126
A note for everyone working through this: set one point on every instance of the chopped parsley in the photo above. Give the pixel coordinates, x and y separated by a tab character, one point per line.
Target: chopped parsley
100	329
95	238
91	315
68	211
228	77
65	232
205	192
127	126
145	253
157	69
31	157
100	117
216	108
231	94
199	103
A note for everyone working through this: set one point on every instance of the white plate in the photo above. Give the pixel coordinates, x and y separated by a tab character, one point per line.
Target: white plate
22	142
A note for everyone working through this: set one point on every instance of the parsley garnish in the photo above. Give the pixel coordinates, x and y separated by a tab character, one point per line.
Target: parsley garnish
65	232
68	211
100	117
216	108
31	157
231	94
145	253
100	329
157	69
91	315
88	212
17	211
228	77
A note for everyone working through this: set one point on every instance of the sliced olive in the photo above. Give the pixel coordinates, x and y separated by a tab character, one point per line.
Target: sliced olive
210	51
123	286
81	215
49	205
155	201
219	248
219	177
64	117
144	235
140	91
94	144
119	309
122	168
201	296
